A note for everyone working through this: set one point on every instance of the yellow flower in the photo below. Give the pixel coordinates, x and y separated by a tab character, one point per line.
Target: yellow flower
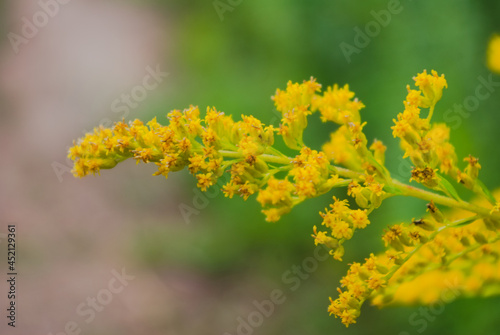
230	189
359	218
426	176
431	86
349	316
340	149
472	169
413	99
247	190
338	253
184	145
338	105
204	180
272	214
197	162
294	105
278	192
249	148
144	154
341	229
376	282
378	149
493	54
296	95
310	172
339	206
322	238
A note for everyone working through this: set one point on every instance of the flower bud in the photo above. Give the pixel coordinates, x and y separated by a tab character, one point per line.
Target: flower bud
465	241
473	168
397	245
405	240
382	269
480	238
361	200
260	166
354	303
491	224
424	224
435	212
364	274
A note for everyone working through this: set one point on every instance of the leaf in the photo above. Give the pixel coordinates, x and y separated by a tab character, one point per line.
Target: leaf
383	171
486	192
448	188
392	189
467	221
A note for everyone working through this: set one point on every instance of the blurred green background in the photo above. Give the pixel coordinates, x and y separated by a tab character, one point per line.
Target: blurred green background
237	63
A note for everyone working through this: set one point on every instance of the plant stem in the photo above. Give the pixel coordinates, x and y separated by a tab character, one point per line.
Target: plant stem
431	237
265	157
415	192
412	191
403	189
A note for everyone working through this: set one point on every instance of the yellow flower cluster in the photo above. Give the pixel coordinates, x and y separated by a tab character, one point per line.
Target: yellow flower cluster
460	254
419	256
427	146
294	104
215	144
359	283
342	222
311	177
428	261
338	105
369	194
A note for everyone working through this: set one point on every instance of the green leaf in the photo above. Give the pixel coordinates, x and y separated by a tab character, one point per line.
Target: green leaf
392	189
486	192
448	188
466	221
369	157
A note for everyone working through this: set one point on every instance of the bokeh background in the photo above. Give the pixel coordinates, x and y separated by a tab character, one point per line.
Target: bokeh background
199	275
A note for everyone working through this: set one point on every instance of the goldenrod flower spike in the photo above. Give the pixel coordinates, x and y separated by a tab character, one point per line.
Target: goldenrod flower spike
462	246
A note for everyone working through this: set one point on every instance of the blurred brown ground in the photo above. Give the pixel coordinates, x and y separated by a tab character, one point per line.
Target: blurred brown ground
72	233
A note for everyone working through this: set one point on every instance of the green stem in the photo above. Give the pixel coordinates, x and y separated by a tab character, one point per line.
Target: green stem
469	249
402	188
265	157
431	111
431	237
412	191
